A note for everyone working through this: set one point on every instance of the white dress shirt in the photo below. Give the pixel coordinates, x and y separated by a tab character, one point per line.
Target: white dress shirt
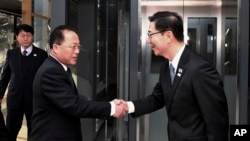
175	62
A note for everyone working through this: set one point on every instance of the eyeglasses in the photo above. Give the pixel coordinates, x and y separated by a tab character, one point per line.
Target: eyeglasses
79	47
151	34
25	35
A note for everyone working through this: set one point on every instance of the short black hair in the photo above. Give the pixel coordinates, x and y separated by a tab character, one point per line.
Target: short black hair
169	21
57	37
24	27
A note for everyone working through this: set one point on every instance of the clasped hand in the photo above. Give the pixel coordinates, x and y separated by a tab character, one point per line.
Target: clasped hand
121	108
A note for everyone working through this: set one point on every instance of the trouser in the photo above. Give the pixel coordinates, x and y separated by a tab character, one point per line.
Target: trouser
14	122
3	129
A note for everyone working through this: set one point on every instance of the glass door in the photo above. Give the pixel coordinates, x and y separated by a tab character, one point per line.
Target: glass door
102	68
202	37
6	35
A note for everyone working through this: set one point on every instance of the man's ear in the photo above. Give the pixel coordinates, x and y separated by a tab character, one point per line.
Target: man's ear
168	35
55	48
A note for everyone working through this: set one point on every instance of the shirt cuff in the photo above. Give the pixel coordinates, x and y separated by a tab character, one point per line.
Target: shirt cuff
131	107
112	112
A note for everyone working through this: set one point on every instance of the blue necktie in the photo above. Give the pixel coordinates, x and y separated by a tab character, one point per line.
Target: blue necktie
172	72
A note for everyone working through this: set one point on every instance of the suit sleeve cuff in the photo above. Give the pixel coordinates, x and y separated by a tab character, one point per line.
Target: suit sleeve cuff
131	107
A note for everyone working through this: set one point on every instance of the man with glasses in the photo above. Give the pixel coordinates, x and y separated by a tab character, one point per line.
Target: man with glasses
57	106
189	87
18	73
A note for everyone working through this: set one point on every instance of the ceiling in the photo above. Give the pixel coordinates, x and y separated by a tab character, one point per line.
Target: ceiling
12	6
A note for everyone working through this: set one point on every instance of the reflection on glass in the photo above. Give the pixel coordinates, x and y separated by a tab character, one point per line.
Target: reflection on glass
202	37
41	7
6	35
41	10
230	46
41	32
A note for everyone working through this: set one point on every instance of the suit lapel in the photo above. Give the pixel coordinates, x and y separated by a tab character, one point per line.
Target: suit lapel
167	85
72	83
19	56
180	72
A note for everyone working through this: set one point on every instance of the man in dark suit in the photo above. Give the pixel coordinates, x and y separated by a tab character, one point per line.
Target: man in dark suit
19	71
194	98
57	107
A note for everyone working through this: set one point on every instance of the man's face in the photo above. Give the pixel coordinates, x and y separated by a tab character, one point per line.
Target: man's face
25	39
68	51
157	40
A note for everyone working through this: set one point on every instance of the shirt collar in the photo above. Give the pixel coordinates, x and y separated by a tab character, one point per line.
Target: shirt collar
64	66
177	57
29	49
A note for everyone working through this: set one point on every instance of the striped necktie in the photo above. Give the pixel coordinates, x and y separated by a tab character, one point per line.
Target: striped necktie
25	53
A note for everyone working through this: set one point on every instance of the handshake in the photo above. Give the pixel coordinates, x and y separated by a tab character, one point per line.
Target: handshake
121	108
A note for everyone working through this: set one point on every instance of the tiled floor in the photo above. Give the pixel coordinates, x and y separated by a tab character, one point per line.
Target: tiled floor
22	136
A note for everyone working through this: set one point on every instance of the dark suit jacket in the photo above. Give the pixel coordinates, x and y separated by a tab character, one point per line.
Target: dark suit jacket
58	107
196	104
20	79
